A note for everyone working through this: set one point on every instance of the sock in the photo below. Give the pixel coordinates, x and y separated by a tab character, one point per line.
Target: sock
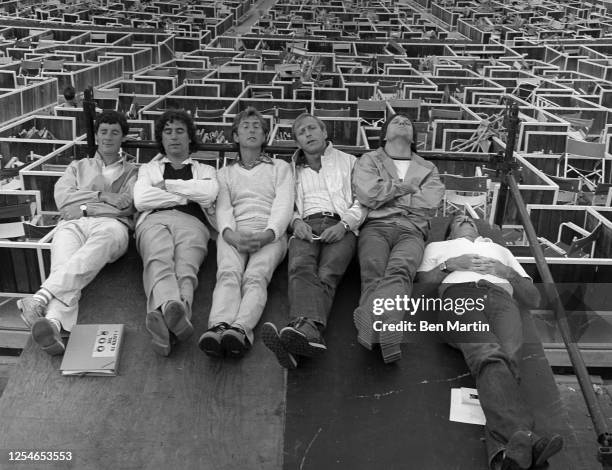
43	296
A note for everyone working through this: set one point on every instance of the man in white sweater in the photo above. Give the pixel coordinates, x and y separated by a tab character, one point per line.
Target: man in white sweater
175	196
325	224
254	207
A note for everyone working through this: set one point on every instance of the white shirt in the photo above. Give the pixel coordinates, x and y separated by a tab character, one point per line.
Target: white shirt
438	252
402	167
314	191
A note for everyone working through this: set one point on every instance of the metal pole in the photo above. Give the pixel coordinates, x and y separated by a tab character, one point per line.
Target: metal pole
89	110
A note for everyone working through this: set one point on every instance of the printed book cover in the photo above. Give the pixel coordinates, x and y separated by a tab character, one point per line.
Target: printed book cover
93	350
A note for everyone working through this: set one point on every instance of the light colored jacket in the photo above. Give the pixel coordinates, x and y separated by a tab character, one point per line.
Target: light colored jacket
83	181
336	168
149	195
375	182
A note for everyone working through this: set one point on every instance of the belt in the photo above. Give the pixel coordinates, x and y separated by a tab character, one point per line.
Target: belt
321	215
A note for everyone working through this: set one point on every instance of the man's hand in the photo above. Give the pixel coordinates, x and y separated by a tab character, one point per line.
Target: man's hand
261	238
120	201
408	188
302	230
71	212
470	262
495	268
244	242
333	234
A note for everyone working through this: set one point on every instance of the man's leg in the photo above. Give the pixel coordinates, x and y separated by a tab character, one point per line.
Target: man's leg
375	242
105	241
492	368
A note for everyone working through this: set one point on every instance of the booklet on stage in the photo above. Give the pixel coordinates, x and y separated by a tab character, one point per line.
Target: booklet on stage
93	350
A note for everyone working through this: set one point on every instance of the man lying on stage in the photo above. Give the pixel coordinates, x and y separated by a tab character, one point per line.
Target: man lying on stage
325	225
94	197
254	207
468	266
175	195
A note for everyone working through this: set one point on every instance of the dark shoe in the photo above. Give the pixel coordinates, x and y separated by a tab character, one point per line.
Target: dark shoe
47	336
545	447
390	345
272	340
234	342
366	336
175	315
518	451
160	335
210	341
31	310
303	338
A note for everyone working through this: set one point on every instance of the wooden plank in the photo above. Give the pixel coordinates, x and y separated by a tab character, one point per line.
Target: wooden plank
184	411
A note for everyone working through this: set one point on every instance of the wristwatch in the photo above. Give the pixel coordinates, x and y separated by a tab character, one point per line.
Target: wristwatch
345	225
83	208
443	267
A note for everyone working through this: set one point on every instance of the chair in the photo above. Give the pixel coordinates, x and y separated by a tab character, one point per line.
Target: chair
586	160
568	189
341	112
462	190
373	112
288	115
52	65
30	68
98	37
212	115
107	99
581	245
195	76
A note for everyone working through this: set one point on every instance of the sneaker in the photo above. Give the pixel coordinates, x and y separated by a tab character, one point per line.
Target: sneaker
210	341
31	310
272	340
160	335
234	342
303	338
176	318
545	447
366	336
47	336
518	451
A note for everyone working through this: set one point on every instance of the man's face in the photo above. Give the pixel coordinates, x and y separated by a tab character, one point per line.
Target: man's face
109	138
175	140
310	137
463	226
250	133
400	127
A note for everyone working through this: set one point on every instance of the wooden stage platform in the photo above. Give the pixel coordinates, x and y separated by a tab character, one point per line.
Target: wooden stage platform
347	410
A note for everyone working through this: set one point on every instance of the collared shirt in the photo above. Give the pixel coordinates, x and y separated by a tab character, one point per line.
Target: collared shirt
261	158
438	252
316	195
110	172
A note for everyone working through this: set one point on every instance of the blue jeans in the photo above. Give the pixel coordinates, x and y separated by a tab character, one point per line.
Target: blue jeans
315	270
389	255
492	358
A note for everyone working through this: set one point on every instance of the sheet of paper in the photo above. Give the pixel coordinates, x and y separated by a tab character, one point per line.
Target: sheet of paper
465	408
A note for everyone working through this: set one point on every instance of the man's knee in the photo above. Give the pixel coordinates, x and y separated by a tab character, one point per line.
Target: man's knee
479	355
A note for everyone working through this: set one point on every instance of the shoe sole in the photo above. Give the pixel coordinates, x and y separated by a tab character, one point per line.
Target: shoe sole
272	340
160	335
519	449
22	316
45	336
390	345
295	343
210	346
366	336
553	447
233	347
177	321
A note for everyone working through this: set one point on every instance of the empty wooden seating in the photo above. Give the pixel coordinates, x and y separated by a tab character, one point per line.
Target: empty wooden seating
373	112
569	188
585	160
465	190
572	241
106	98
30	68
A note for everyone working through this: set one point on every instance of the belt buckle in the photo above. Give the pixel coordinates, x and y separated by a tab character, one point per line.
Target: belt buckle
327	214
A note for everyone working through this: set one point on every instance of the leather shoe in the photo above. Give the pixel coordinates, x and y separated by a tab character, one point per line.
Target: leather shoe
545	447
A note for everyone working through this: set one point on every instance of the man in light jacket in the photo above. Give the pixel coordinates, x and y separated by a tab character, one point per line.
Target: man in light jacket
94	197
402	192
325	226
175	195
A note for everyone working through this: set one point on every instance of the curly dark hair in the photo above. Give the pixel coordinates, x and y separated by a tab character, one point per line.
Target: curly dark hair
176	115
383	131
112	117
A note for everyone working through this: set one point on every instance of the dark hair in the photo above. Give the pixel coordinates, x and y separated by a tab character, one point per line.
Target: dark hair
69	93
250	111
383	131
303	116
176	115
110	116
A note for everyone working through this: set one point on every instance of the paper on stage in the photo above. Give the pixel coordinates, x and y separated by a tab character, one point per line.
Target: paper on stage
465	406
